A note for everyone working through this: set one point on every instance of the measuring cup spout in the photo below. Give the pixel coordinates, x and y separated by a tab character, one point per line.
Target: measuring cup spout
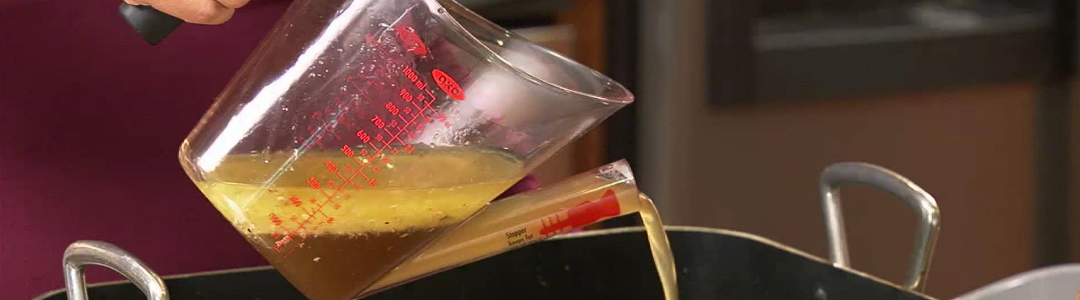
523	219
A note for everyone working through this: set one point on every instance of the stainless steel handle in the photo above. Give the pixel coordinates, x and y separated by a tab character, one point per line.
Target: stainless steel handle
82	253
875	176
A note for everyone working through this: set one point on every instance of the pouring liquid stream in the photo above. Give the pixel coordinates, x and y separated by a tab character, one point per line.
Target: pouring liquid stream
661	248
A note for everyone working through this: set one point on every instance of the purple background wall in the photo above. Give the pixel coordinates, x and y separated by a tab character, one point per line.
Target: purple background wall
91	118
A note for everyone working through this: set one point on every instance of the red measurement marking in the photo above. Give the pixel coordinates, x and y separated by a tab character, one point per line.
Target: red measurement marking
282	242
330	198
432	95
345	181
295	201
413	78
583	214
410	74
318	212
448	84
348	151
411	40
275	219
415	111
315	211
403	128
390	107
378	122
421	99
394	137
363	137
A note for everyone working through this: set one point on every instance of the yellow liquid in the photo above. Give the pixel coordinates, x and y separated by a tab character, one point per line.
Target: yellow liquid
334	241
661	248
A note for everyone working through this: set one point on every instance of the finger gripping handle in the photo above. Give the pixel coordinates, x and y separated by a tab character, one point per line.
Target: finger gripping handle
82	253
152	24
883	179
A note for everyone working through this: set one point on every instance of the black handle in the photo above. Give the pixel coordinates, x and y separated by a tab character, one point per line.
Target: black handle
151	24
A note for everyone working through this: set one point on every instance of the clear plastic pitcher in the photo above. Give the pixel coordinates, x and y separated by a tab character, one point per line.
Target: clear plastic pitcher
359	131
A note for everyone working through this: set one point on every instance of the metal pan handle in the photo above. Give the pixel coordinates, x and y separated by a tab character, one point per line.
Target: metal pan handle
82	253
875	176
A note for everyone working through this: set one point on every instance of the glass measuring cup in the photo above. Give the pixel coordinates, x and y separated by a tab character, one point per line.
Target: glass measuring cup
359	131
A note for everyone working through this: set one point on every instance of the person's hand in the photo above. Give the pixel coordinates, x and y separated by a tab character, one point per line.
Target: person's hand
209	12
